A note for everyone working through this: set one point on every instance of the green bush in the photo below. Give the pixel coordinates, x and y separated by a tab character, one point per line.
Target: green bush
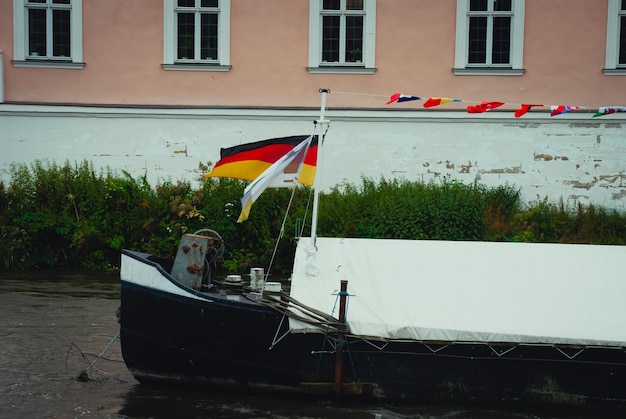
403	209
73	216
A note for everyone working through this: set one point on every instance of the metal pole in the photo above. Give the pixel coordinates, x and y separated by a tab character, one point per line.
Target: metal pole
341	337
320	140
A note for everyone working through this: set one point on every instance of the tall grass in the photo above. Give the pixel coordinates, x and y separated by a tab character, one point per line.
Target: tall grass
71	215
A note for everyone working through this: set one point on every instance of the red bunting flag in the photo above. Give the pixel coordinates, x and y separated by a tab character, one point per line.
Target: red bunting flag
487	106
523	109
436	101
483	107
558	110
399	97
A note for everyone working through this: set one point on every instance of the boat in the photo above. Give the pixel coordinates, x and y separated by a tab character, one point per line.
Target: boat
479	322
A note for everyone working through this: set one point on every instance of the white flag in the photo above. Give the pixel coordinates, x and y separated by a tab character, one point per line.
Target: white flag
268	177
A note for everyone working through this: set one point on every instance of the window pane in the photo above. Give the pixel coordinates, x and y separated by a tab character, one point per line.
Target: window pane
186	45
501	40
478	5
354	39
331	5
36	1
208	36
502	6
186	3
477	53
354	4
37	32
623	5
209	3
61	1
330	39
622	40
61	33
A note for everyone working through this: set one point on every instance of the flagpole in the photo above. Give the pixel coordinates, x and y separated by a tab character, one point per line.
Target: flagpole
320	123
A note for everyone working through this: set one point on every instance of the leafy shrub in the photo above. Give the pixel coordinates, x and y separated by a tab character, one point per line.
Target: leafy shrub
71	215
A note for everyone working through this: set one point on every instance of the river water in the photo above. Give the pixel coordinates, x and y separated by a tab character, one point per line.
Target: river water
53	326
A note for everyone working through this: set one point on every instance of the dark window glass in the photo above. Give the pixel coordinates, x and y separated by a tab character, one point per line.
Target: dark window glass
622	40
209	3
501	40
208	36
330	39
61	33
623	5
186	3
502	6
477	53
37	32
478	5
331	5
354	4
354	39
60	1
36	1
186	45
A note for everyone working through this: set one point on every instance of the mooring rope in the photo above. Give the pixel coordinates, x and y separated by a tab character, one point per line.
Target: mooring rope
309	315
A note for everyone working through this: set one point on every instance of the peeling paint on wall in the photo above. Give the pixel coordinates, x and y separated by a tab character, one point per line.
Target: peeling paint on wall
547	157
508	170
578	162
181	152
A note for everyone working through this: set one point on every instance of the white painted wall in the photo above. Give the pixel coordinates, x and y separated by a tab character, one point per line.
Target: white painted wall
571	157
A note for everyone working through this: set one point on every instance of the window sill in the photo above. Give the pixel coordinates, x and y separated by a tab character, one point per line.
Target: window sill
196	67
48	64
483	71
614	71
340	70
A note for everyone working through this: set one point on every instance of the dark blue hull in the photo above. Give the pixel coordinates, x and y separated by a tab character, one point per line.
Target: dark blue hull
220	339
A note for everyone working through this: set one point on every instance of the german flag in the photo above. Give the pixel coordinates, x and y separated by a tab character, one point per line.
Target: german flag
248	161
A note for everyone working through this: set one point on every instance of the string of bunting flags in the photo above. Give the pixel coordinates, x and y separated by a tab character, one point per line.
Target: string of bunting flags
488	106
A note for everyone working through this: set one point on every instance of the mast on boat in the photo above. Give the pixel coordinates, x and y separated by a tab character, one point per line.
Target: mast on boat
320	124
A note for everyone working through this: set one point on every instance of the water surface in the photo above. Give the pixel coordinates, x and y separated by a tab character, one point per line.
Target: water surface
54	324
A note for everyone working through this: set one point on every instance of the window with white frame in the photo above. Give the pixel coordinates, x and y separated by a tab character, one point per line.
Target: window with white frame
196	35
489	37
616	39
47	33
342	35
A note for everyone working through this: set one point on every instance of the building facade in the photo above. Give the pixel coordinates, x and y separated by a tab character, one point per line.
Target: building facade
156	87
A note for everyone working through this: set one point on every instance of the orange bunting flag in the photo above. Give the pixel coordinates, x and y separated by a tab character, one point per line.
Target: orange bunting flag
483	107
436	101
524	109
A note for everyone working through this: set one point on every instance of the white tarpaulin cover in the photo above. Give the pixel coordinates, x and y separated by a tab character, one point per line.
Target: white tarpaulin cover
468	291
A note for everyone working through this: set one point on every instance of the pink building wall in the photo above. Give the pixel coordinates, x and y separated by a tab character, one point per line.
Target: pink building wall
564	48
169	124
